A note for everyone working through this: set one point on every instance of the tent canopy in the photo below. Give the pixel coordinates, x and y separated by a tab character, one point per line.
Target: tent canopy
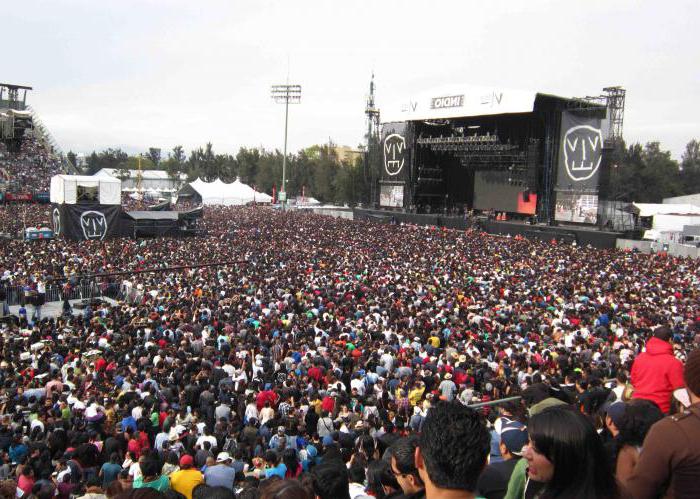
66	189
219	192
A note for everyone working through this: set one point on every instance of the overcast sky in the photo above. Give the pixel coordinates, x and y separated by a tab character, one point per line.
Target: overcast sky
135	74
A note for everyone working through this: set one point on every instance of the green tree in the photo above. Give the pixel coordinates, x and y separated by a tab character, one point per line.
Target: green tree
153	154
325	169
175	162
269	172
109	158
178	154
72	158
646	174
247	161
690	168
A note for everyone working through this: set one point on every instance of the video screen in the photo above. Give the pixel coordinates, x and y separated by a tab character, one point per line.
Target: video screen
579	208
391	196
492	193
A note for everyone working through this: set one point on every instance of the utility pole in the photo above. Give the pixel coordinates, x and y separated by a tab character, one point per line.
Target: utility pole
285	94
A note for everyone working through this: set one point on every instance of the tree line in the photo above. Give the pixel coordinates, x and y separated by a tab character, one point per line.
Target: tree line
316	171
642	173
647	173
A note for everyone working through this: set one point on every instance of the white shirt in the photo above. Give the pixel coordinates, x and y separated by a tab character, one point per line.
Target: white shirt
211	439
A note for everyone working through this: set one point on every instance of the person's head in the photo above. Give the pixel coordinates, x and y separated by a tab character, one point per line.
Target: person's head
691	375
283	489
636	421
403	464
150	467
114	489
331	480
203	491
271	458
567	454
223	458
290	460
186	462
663	333
381	481
441	463
613	416
356	473
94	483
514	438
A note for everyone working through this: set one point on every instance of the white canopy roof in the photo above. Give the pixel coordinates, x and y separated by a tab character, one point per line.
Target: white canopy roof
651	209
219	192
145	174
64	188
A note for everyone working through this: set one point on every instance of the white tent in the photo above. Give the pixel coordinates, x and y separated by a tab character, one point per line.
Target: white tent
67	189
221	193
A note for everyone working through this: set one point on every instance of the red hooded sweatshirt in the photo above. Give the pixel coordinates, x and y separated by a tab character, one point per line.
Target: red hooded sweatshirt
656	373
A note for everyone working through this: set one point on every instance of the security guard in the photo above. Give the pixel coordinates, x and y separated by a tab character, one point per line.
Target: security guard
669	463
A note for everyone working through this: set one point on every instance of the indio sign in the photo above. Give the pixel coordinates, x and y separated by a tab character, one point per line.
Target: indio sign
449	101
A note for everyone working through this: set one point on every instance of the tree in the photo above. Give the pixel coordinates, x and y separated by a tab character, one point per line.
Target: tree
646	174
175	162
109	158
691	157
72	158
269	171
247	161
690	168
178	154
153	154
325	171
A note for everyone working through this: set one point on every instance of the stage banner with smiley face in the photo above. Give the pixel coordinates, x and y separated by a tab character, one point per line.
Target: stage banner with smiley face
580	153
395	152
85	222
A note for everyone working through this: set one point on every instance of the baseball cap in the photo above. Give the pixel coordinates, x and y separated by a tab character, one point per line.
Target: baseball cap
280	429
222	457
514	436
616	411
186	460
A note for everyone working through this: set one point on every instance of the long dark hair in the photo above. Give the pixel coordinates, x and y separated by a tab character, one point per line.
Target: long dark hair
569	441
289	458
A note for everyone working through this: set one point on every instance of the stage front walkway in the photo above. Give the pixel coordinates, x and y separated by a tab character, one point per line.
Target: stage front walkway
55	308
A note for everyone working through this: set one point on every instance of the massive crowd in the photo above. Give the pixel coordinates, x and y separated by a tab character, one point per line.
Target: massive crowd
335	359
29	170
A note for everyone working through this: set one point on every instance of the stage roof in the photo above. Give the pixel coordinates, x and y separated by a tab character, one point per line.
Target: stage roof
457	101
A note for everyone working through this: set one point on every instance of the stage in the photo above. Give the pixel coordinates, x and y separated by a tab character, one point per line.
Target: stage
582	235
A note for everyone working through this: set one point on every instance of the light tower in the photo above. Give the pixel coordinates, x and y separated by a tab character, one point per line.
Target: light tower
285	94
372	137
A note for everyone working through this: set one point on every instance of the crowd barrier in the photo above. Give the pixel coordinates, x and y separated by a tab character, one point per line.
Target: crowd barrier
673	249
16	295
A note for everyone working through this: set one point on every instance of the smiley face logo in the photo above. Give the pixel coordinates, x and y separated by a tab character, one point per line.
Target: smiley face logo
394	153
94	225
583	146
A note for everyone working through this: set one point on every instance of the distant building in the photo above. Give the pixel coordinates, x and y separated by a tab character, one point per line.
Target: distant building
158	180
347	154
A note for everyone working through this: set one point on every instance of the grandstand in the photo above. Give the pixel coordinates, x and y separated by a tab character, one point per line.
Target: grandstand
29	155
